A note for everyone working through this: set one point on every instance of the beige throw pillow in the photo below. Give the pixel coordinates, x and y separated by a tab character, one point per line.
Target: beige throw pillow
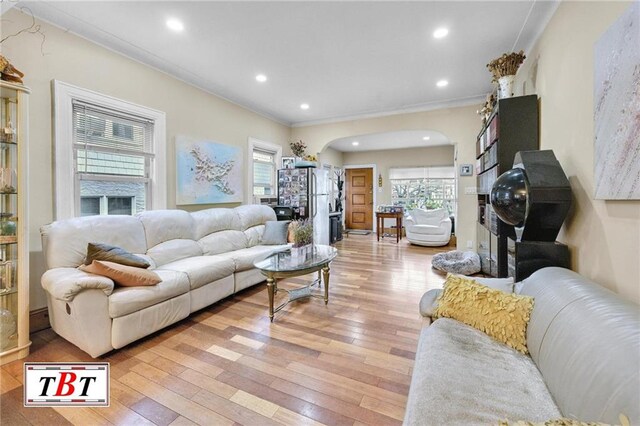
123	275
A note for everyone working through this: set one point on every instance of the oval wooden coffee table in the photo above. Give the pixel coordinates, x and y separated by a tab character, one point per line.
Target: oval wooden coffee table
284	265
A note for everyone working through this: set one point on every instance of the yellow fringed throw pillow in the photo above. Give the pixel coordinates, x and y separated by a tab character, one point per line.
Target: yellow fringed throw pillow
501	315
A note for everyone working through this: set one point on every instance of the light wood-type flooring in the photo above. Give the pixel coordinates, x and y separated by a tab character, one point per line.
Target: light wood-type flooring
348	363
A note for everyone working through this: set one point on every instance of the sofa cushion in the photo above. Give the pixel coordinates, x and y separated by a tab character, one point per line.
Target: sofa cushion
275	233
461	377
164	225
173	250
215	220
426	229
65	242
254	235
125	300
222	242
585	340
253	215
124	275
99	251
202	270
431	217
245	258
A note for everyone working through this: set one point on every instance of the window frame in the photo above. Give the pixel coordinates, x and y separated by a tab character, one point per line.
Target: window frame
254	144
66	202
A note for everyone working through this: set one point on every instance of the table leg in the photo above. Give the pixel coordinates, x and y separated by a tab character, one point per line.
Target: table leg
325	272
397	229
270	289
401	225
378	227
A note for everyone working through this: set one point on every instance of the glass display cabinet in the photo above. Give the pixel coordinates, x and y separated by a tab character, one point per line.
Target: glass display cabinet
14	250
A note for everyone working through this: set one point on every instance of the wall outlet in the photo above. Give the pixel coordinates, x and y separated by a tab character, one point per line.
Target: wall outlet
469	244
470	190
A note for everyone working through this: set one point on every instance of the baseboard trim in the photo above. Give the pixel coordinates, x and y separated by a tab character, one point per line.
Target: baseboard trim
38	320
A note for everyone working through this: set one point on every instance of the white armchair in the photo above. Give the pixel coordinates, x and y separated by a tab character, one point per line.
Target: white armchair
428	227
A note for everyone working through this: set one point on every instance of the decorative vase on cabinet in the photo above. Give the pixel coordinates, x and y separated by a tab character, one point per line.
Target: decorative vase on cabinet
14	250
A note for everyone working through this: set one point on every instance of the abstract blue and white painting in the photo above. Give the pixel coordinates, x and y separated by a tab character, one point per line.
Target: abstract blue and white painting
617	109
207	172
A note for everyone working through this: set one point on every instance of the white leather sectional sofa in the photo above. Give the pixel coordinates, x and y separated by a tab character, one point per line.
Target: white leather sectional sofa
584	361
202	257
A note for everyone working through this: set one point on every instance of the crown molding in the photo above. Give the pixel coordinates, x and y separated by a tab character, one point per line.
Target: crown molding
429	106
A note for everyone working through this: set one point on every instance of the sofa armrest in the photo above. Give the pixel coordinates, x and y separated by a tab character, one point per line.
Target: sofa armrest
65	283
445	224
409	221
429	302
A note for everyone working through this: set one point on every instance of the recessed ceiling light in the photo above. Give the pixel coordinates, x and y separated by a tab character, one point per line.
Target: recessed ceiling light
440	33
355	143
426	138
261	78
304	106
175	25
442	83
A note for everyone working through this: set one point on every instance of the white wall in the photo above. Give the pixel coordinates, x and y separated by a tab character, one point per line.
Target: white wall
74	60
603	236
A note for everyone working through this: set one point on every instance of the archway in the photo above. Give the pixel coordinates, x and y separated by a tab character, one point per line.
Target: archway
400	162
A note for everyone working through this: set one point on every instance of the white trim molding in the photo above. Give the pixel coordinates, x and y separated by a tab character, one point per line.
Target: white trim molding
64	169
253	143
375	190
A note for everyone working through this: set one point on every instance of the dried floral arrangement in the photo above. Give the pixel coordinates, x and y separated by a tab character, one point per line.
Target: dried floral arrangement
298	148
507	64
310	157
487	108
7	71
302	231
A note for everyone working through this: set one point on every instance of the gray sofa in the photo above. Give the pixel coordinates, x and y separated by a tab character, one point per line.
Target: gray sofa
584	363
202	257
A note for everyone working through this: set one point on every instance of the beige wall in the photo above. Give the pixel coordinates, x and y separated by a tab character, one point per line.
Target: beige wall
604	236
71	59
460	125
412	157
331	156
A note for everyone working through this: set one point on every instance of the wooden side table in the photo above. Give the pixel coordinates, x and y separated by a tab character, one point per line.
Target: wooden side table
380	217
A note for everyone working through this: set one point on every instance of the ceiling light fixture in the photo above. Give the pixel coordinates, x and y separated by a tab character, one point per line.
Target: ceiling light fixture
440	33
304	106
426	138
442	83
175	25
355	143
261	78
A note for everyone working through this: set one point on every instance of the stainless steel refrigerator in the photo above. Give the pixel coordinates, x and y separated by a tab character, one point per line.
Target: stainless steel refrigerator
306	190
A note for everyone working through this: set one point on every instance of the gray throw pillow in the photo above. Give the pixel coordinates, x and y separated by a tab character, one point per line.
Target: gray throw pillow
275	232
99	251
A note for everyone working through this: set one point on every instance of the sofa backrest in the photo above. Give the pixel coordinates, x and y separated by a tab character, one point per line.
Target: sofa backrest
163	235
218	231
585	341
170	235
65	242
252	219
429	217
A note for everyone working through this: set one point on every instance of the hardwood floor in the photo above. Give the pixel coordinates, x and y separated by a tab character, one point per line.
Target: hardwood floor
348	363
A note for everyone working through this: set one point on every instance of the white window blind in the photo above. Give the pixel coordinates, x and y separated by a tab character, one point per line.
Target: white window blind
264	169
113	155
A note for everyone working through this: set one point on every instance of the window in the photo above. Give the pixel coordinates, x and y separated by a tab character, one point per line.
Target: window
264	172
109	152
423	187
263	161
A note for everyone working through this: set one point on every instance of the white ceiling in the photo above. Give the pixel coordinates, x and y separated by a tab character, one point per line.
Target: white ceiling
345	59
390	140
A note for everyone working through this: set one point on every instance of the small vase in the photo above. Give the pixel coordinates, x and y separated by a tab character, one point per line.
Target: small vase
506	86
302	251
